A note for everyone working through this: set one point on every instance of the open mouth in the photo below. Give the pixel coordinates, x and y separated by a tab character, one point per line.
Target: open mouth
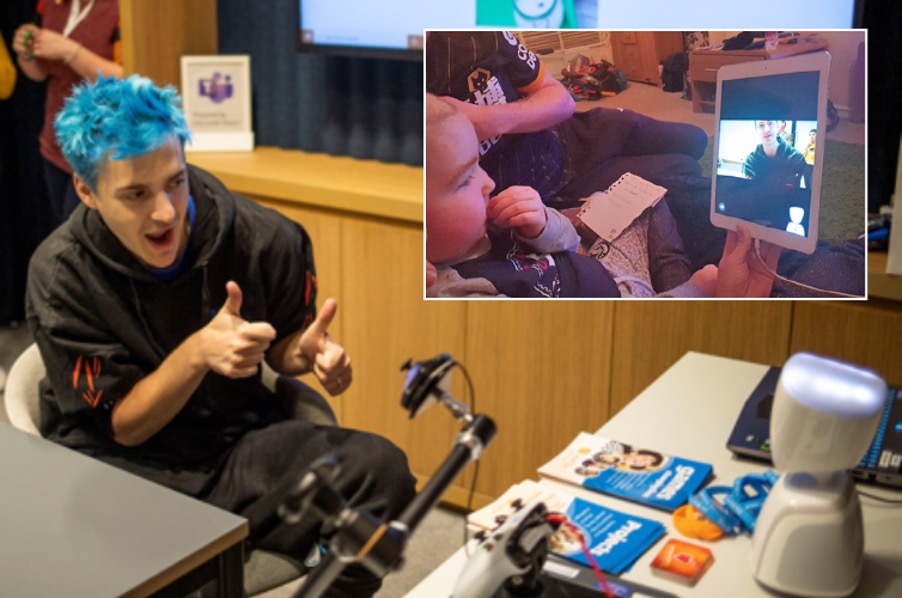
162	239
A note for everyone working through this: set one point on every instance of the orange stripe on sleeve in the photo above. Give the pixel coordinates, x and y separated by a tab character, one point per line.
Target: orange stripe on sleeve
535	85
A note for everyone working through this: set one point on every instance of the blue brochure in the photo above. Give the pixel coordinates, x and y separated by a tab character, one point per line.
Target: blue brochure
614	539
625	471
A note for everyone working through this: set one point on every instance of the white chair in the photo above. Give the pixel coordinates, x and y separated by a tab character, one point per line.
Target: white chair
264	570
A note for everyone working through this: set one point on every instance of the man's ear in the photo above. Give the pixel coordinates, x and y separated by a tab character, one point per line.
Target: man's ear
84	192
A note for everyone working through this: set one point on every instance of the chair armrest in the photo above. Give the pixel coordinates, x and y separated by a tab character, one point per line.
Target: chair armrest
299	400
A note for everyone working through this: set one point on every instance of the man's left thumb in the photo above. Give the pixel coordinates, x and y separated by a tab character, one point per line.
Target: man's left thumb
320	325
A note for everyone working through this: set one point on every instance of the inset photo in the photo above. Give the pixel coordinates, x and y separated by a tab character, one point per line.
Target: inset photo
645	164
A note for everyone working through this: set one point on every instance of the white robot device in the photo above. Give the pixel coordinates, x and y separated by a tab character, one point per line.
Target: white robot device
809	539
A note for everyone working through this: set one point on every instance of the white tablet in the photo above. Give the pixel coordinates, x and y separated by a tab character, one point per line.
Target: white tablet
771	123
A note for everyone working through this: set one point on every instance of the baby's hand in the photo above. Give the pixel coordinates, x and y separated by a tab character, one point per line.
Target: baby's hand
519	208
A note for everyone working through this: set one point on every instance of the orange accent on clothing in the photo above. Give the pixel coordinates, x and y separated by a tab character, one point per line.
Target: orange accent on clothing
91	397
309	287
92	370
535	85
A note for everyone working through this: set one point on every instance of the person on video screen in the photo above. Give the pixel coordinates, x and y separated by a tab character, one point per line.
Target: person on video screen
774	161
809	149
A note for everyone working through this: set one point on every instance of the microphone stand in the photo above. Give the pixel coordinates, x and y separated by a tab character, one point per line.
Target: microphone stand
360	537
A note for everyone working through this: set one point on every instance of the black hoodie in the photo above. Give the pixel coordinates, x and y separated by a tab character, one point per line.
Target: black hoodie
102	322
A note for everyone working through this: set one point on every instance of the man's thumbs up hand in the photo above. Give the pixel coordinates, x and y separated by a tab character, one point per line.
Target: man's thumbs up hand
233	300
328	360
232	346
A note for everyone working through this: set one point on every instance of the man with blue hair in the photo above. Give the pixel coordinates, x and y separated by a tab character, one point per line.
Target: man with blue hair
154	305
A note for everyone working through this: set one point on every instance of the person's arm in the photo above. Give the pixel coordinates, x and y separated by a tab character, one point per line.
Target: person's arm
23	46
51	45
521	210
228	345
547	104
559	234
311	349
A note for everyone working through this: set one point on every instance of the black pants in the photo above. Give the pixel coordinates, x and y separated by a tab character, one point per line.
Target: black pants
602	144
257	473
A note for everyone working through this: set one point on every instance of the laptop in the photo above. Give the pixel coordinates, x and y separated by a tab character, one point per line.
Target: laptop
882	464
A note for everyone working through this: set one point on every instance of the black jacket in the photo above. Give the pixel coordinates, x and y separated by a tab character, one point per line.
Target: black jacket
103	322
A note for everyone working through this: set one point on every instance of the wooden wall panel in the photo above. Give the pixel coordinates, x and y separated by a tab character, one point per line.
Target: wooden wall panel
651	336
541	372
386	322
156	33
865	333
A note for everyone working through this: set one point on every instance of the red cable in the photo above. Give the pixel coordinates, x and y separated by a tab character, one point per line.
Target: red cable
560	519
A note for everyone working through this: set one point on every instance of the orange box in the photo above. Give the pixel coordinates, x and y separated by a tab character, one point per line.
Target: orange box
682	561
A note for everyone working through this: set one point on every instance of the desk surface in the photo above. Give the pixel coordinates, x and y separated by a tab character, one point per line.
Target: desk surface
73	526
882	285
689	411
364	187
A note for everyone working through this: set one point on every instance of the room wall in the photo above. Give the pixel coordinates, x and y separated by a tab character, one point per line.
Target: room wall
358	107
843	46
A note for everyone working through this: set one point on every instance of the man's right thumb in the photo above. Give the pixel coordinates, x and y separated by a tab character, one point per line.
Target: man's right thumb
233	301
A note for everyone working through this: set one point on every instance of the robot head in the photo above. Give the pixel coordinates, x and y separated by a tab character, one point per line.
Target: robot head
825	414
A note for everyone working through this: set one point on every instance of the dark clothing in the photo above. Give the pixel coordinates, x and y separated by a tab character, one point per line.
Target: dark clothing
785	169
571	159
488	68
60	191
103	322
515	270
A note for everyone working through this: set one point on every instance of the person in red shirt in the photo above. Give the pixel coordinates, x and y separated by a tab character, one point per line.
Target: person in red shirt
70	41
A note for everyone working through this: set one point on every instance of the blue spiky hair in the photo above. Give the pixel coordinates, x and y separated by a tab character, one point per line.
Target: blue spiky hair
117	119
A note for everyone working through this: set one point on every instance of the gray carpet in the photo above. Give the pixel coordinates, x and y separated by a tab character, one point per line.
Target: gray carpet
842	212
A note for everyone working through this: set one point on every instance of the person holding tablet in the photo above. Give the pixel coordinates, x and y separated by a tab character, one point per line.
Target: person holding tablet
528	132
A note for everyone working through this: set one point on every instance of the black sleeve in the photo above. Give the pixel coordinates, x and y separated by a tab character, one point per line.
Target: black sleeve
290	278
88	367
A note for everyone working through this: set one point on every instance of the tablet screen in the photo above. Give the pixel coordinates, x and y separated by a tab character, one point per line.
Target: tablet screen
767	161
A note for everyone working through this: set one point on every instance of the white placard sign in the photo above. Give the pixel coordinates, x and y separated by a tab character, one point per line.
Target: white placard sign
216	91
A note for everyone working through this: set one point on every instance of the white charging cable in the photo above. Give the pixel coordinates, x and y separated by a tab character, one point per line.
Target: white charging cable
796	283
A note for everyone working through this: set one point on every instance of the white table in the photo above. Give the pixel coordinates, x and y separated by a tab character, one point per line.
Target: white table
689	411
73	526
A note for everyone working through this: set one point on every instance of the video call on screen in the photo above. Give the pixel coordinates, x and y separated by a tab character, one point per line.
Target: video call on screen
767	150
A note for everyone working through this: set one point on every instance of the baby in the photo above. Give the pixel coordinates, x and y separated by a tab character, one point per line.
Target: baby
511	245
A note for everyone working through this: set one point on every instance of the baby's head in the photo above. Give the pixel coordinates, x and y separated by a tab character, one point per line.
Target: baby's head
457	189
